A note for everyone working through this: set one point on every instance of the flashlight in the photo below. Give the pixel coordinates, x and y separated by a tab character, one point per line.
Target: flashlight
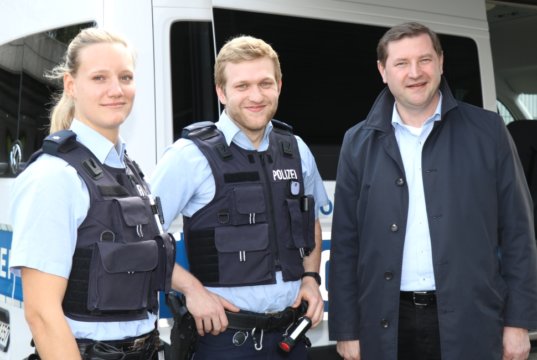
295	333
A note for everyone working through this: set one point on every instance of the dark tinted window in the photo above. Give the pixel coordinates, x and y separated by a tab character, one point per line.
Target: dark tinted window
192	60
330	78
26	94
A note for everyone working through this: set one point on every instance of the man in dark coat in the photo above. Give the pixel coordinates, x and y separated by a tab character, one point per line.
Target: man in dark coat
433	248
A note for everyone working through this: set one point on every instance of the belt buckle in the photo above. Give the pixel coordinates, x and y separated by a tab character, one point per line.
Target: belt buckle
417	302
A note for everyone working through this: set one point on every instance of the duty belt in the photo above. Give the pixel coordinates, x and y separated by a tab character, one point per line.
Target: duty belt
142	347
247	320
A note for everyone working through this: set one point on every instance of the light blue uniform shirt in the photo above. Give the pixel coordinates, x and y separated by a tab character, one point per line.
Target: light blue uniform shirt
183	179
418	272
49	203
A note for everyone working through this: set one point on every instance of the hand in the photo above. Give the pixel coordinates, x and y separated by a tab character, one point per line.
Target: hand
208	310
349	350
516	343
309	291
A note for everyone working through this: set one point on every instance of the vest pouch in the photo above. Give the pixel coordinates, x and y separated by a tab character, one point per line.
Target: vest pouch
162	276
302	222
134	211
243	254
249	204
120	275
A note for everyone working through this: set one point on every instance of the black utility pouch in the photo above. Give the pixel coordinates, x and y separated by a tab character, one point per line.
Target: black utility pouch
120	275
243	254
249	204
135	214
302	221
162	276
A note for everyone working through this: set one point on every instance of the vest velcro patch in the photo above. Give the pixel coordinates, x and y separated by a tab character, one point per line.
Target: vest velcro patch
113	190
241	177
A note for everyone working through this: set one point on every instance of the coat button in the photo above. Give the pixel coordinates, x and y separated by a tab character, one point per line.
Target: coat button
384	323
400	182
394	227
388	275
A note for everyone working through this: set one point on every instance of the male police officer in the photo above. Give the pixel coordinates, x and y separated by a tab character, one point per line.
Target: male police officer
249	191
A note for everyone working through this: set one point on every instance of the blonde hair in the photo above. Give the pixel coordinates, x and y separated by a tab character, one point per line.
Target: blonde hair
62	113
244	48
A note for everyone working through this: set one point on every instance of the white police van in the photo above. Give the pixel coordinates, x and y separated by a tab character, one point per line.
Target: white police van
327	50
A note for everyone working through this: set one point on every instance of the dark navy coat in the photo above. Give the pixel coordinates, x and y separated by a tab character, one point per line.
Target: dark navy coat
480	220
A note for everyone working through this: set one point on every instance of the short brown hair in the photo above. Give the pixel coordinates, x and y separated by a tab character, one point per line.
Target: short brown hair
244	48
398	32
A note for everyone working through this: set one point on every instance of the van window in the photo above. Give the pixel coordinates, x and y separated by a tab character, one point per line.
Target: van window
26	94
504	112
529	102
330	78
192	60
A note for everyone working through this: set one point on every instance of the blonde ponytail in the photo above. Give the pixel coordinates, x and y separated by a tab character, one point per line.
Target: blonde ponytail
62	114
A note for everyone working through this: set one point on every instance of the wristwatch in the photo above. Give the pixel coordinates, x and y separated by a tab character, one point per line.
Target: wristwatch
314	275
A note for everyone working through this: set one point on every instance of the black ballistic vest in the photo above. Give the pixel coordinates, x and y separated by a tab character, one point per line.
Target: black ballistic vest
259	220
113	275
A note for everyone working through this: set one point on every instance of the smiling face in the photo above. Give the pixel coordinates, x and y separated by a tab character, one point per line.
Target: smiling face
413	73
103	87
250	95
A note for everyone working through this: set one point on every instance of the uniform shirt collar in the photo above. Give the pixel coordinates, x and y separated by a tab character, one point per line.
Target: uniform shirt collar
103	149
233	133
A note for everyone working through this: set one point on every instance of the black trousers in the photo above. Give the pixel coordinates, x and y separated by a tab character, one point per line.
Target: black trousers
230	345
419	336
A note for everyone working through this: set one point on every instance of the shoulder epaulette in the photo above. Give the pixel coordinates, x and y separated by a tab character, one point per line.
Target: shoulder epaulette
203	130
282	126
59	142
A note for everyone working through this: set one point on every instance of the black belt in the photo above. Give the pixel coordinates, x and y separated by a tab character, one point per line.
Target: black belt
247	320
420	299
143	345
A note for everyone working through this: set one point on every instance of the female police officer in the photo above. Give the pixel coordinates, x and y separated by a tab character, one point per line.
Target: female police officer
86	240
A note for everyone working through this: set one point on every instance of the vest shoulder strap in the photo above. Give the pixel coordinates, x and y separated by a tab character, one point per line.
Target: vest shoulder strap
206	132
280	125
64	145
283	137
59	142
202	130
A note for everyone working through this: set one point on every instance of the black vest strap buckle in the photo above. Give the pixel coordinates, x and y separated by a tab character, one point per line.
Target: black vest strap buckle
287	149
92	168
223	217
224	151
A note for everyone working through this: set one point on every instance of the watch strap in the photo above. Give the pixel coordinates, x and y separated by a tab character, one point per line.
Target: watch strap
314	275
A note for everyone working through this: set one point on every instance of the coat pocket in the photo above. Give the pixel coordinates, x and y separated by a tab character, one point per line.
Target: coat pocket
120	275
243	254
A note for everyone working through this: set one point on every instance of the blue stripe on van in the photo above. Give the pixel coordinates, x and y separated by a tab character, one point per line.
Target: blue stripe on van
6	278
